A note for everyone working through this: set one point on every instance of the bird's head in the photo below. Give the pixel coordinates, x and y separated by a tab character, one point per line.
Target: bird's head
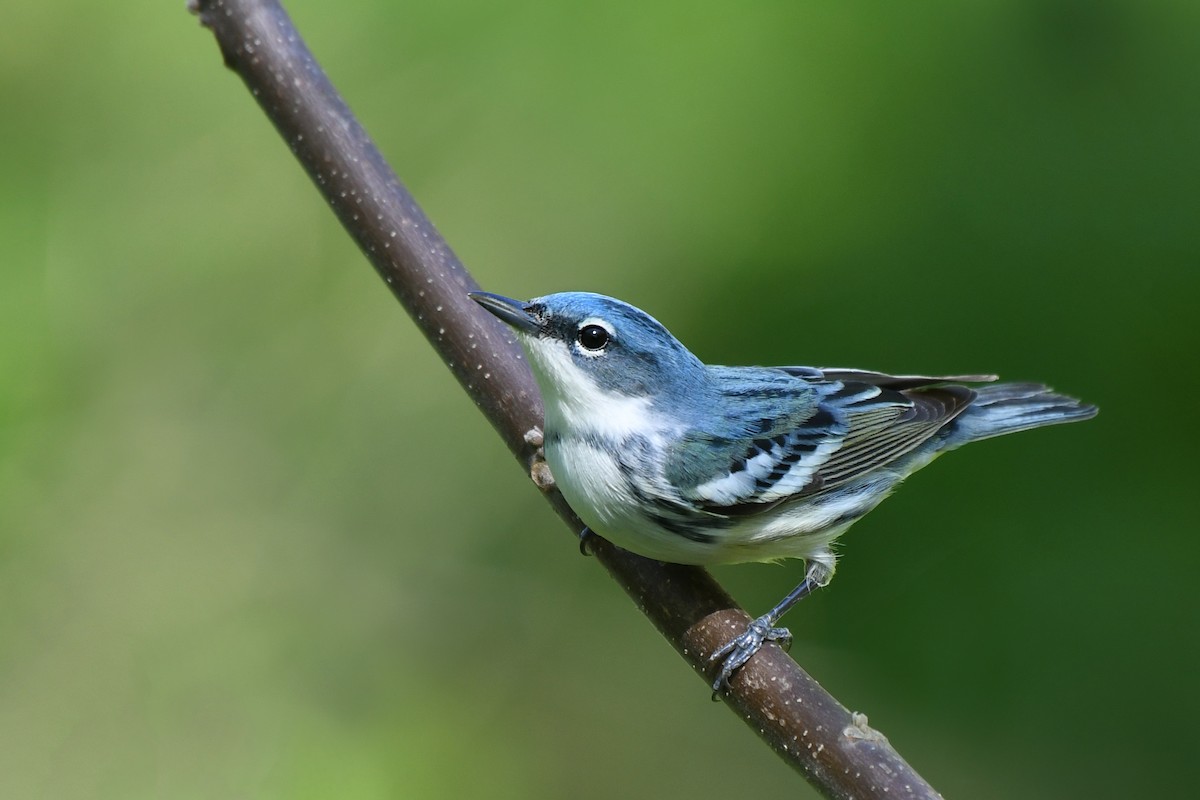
583	347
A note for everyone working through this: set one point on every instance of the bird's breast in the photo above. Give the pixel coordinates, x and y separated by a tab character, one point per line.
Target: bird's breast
619	492
594	479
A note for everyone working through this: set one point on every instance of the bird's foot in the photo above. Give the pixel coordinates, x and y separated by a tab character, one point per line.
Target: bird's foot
740	649
585	541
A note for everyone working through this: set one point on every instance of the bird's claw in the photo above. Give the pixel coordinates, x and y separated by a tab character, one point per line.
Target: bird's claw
585	541
740	649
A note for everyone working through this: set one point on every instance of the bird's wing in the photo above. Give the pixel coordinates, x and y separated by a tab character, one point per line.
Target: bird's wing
877	437
882	379
844	429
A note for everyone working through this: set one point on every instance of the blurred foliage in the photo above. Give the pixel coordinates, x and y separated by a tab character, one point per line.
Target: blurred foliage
254	542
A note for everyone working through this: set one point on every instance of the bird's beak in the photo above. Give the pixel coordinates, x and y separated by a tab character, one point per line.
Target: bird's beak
509	311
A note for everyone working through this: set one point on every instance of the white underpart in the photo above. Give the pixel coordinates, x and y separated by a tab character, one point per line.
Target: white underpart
589	422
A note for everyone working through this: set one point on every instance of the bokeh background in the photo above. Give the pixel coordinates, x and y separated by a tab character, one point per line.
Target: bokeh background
255	542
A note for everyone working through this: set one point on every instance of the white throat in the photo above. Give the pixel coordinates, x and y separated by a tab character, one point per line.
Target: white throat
576	404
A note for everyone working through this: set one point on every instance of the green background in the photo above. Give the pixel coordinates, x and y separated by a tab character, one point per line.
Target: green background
255	542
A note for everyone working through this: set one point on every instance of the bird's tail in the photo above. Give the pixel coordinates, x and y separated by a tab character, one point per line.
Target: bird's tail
1011	407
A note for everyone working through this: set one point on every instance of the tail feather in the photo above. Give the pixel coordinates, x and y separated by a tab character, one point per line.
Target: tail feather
1011	407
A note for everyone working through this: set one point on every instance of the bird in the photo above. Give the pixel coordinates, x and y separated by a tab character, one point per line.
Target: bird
685	462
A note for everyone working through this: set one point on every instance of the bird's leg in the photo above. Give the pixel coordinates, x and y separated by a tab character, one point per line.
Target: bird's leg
737	651
585	537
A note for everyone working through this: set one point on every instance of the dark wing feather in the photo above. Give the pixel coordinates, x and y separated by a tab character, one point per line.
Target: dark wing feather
859	426
882	379
877	438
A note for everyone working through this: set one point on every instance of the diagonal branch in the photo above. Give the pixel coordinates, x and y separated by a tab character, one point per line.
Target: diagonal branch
806	726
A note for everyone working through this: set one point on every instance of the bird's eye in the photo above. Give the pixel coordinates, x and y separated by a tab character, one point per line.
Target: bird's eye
593	337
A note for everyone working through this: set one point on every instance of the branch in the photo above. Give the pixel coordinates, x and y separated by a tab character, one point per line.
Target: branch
799	720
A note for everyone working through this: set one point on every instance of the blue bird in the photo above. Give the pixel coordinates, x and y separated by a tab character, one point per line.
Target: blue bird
684	462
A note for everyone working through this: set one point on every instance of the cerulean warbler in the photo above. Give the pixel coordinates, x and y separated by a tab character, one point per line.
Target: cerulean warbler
679	461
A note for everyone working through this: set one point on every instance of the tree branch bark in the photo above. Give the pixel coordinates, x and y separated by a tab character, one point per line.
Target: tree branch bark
835	750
